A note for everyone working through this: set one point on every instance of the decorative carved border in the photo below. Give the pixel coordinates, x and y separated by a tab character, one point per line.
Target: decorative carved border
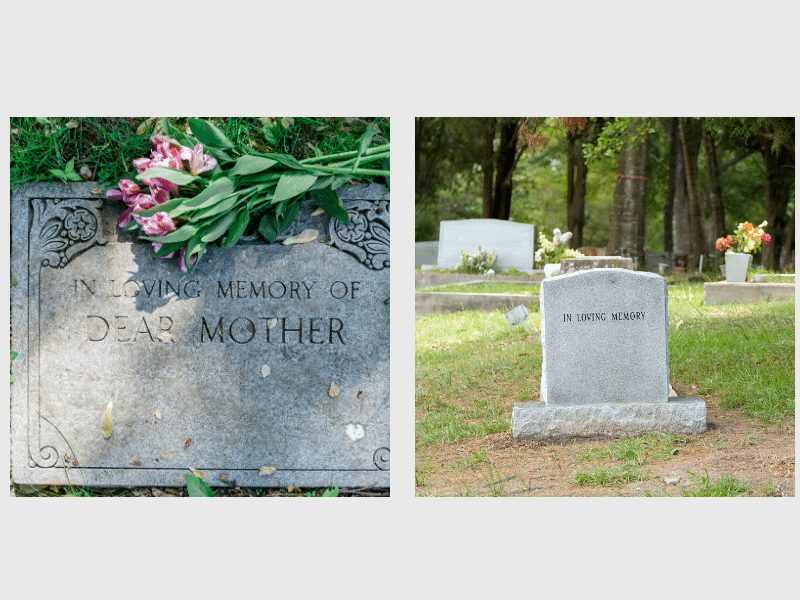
367	237
60	229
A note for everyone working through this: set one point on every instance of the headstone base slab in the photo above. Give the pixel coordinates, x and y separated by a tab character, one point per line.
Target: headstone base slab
538	421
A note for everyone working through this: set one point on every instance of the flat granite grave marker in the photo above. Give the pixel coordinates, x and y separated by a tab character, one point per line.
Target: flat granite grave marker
265	356
605	368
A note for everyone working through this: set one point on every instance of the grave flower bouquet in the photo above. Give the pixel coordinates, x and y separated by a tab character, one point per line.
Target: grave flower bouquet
745	239
552	252
201	189
477	262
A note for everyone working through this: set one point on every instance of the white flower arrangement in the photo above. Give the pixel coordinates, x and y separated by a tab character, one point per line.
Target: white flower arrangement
552	252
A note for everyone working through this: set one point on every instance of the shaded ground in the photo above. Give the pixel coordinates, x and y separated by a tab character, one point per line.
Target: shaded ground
762	457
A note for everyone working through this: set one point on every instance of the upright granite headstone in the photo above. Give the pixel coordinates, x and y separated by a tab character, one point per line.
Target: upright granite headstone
605	360
514	243
265	356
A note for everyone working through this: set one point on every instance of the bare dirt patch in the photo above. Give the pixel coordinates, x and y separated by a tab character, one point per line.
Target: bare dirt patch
760	456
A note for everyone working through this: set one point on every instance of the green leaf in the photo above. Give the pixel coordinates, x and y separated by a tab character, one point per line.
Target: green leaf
218	230
288	218
212	194
268	227
364	142
194	245
237	229
293	184
198	488
14	354
220	207
180	235
175	176
327	200
249	165
286	161
70	166
209	134
168	248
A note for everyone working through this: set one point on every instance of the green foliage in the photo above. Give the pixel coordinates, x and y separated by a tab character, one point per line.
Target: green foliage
725	486
613	136
198	488
329	493
68	173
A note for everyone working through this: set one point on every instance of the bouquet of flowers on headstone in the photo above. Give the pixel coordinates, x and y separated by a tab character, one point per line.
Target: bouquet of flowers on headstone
200	189
552	252
745	239
477	262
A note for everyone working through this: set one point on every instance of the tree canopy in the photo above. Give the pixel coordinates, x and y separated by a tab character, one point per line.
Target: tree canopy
700	178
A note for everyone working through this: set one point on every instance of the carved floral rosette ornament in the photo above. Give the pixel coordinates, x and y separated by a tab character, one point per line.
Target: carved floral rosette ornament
367	237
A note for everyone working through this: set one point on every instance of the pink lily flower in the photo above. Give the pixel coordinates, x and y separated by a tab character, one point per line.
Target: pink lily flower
197	161
159	224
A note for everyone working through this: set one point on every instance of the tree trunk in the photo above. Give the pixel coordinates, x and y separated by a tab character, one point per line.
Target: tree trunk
577	172
626	236
690	142
669	201
506	160
717	225
777	191
487	165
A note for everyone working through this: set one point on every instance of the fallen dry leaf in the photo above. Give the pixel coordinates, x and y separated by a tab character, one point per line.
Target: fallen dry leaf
333	390
292	488
267	470
319	211
265	370
136	463
271	323
86	173
157	414
165	336
105	423
72	124
188	443
287	122
303	237
169	454
97	191
159	494
198	473
223	476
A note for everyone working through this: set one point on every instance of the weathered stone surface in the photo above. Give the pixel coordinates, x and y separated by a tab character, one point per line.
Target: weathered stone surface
572	265
225	370
539	421
617	317
515	243
746	293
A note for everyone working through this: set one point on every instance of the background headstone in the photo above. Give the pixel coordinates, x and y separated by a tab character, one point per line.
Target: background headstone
514	243
585	263
426	253
265	355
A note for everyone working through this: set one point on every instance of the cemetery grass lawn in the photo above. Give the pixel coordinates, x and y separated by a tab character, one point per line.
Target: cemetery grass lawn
471	368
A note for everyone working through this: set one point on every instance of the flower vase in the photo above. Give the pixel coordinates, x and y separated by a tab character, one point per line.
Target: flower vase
736	265
552	269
